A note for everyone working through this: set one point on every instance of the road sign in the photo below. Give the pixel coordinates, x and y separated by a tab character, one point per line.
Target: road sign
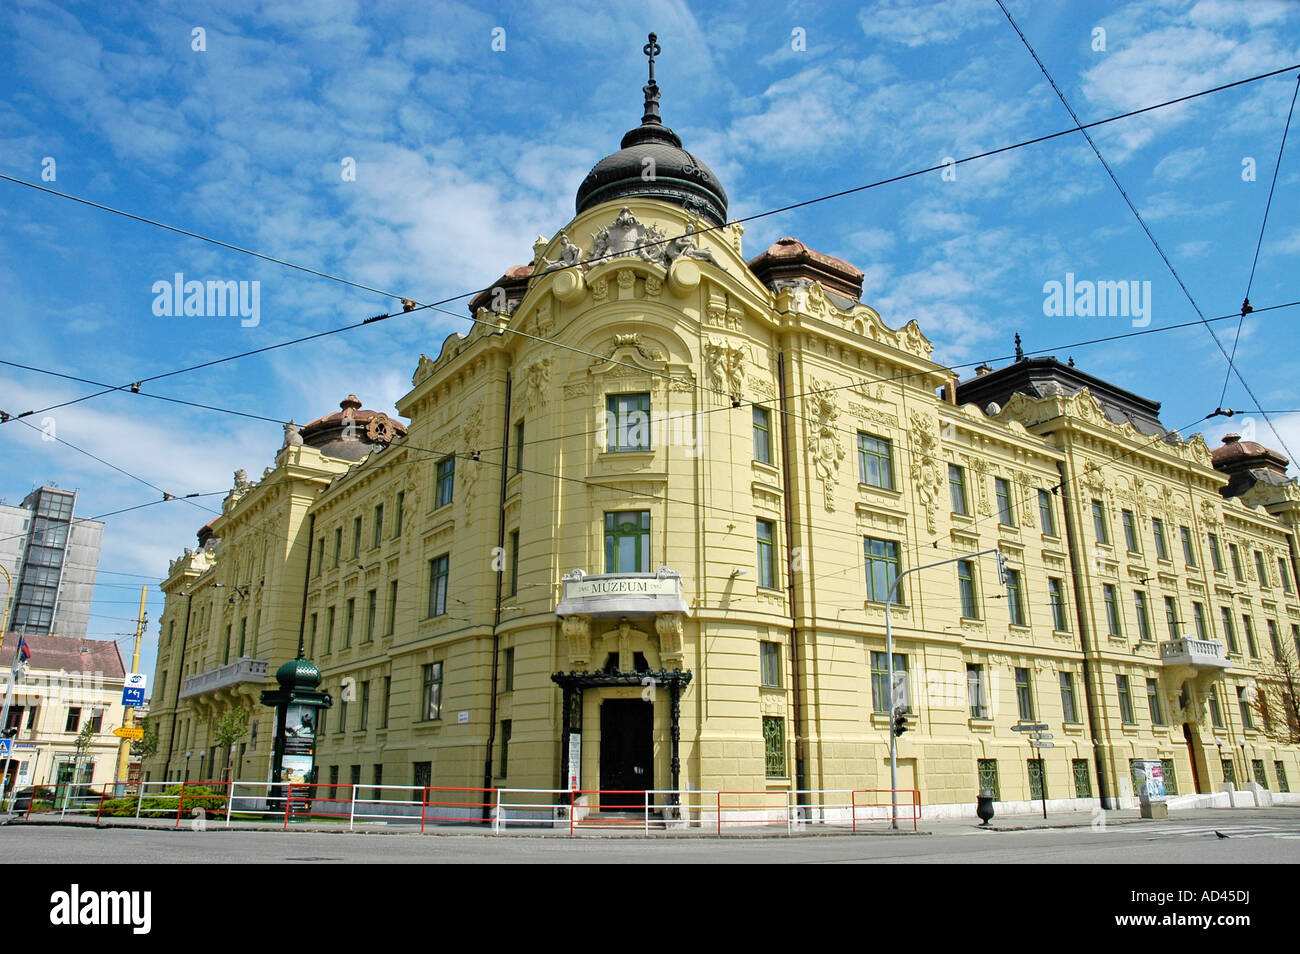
1035	727
1041	735
1042	745
133	689
130	732
4	747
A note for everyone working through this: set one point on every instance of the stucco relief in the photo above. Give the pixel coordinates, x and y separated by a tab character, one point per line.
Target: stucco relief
471	434
825	446
980	468
536	383
577	633
725	365
926	475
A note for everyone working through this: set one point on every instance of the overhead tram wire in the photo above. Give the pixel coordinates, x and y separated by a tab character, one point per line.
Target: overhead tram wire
1245	302
1232	368
415	305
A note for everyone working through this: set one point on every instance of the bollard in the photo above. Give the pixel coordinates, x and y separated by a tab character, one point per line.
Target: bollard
984	809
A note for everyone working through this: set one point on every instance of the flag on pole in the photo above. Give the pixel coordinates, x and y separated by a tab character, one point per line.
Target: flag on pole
24	653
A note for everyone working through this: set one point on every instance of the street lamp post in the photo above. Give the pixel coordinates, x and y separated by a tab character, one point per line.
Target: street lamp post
889	658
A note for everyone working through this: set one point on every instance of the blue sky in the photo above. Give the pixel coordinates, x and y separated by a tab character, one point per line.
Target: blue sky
464	154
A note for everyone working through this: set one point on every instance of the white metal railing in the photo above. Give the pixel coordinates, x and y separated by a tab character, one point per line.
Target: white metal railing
244	669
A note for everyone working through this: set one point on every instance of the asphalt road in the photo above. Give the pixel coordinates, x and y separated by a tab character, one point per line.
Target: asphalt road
1264	836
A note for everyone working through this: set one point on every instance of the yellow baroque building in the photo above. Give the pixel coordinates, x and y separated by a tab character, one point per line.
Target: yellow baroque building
641	526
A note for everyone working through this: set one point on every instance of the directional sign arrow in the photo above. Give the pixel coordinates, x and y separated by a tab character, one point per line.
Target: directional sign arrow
1041	735
129	732
1042	745
1036	727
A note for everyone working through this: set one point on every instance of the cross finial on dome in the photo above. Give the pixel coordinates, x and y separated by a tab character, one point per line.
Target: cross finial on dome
651	50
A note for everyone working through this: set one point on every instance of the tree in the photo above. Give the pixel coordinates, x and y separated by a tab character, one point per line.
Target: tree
229	729
147	745
1277	695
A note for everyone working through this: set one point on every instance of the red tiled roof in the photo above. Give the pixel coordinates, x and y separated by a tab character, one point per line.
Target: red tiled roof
67	653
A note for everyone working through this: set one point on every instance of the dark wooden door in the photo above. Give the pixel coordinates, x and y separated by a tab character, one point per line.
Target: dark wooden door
626	751
1191	751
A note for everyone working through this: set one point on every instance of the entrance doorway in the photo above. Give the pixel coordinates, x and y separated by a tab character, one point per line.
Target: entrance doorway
1193	751
626	751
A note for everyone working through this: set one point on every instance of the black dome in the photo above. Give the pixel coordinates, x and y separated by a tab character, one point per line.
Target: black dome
676	176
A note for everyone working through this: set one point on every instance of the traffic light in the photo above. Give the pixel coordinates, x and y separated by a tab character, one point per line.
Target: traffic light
9	733
900	722
1002	568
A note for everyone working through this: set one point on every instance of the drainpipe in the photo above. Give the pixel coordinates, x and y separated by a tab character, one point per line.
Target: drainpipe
496	616
800	777
180	681
1080	613
306	580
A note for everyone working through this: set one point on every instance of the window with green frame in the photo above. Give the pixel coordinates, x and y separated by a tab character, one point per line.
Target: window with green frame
627	422
1130	532
1162	545
1069	703
438	570
1280	771
1060	614
770	664
1198	617
957	490
966	589
766	533
1006	510
1024	695
1015	597
1229	631
1037	778
1216	557
1235	552
519	446
1248	626
1100	524
1216	713
1082	778
1046	513
762	435
1125	700
882	568
1153	702
1189	552
875	461
514	562
1143	615
627	541
774	746
880	683
1261	571
1229	770
446	482
1171	776
1257	765
986	771
1111	599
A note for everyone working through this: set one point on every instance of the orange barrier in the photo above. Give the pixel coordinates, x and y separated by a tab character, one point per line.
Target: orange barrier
488	796
913	805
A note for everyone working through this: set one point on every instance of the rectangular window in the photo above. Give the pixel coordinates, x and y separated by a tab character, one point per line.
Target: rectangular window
1125	701
987	772
343	716
320	555
96	720
329	630
397	517
1235	553
1229	770
882	568
1153	702
977	691
338	544
1229	631
1037	779
508	670
762	435
1198	615
356	537
445	482
1109	597
365	705
1260	570
334	782
774	746
966	588
1171	776
1243	706
438	568
1015	598
348	622
1046	513
514	562
1006	512
1284	574
1280	771
770	657
1216	557
311	645
507	726
880	683
1171	617
1273	640
1024	695
957	490
372	610
1258	766
1082	778
422	774
766	554
1060	615
1069	704
379	527
1216	713
1248	627
431	707
627	541
1162	545
875	461
627	422
1189	554
388	699
1100	525
391	623
1130	532
519	446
